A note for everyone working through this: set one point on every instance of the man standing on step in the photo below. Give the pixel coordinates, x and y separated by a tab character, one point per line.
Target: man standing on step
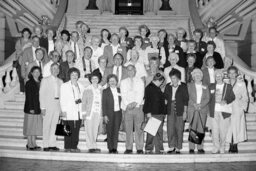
132	93
50	107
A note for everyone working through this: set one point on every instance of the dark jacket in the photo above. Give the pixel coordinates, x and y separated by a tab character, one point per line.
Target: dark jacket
201	47
63	74
32	97
229	97
181	97
182	60
199	59
154	100
218	61
108	101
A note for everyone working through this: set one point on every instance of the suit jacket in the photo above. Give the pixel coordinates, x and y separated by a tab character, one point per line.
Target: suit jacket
108	54
87	100
64	67
193	100
181	97
201	47
45	43
229	97
27	57
67	101
109	71
47	94
154	100
108	101
32	97
182	60
206	77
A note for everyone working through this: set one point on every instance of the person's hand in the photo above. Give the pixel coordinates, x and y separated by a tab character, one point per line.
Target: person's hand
32	111
149	115
43	112
223	102
129	106
105	119
84	117
134	104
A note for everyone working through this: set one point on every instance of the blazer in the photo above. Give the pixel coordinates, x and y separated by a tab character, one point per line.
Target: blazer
67	101
47	94
201	47
108	101
154	101
181	97
109	71
32	97
229	97
45	43
64	67
87	100
108	54
206	76
193	100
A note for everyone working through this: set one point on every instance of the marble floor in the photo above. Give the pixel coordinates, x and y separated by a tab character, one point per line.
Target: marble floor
10	164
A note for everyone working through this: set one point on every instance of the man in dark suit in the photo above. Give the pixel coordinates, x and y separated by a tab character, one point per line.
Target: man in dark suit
112	49
64	66
48	42
102	67
119	70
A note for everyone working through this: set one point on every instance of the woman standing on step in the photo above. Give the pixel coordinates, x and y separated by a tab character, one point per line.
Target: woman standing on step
91	111
33	121
237	131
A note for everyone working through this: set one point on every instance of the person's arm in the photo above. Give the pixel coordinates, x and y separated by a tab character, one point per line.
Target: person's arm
29	93
140	93
163	59
124	92
147	101
207	98
42	94
183	75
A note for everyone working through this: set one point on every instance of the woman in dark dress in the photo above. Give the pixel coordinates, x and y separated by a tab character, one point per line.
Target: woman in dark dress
33	121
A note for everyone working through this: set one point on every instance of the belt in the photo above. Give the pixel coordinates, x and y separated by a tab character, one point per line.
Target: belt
56	98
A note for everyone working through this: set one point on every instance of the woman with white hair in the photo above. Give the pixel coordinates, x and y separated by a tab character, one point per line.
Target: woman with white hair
155	51
173	59
97	52
220	111
199	97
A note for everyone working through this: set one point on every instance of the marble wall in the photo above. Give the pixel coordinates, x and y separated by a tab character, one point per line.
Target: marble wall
2	37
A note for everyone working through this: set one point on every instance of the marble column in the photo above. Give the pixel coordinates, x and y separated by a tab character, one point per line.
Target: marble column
253	43
2	38
165	6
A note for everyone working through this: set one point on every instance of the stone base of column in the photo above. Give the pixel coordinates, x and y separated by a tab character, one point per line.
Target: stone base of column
91	12
150	13
166	12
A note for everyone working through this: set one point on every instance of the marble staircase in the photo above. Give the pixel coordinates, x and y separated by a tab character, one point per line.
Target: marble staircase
12	144
112	22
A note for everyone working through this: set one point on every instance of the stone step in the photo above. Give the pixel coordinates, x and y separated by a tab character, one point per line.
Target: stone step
19	122
21	142
20	152
13	105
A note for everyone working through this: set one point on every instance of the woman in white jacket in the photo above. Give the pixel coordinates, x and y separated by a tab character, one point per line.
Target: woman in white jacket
71	106
237	131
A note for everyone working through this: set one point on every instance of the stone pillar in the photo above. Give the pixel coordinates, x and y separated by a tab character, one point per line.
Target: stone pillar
253	43
2	38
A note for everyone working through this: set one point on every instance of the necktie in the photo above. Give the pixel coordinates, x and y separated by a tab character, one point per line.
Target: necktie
40	65
117	73
90	65
75	50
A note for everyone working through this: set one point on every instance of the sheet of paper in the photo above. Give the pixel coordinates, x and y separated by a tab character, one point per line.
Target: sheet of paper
152	126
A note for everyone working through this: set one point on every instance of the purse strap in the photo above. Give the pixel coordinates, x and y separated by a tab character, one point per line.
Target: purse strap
199	113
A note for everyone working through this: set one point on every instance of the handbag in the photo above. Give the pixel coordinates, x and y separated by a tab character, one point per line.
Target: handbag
195	136
62	129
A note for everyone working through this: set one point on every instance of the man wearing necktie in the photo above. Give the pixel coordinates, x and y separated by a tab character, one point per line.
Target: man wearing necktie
74	44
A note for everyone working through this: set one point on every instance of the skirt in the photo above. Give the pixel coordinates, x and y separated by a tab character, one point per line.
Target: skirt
33	125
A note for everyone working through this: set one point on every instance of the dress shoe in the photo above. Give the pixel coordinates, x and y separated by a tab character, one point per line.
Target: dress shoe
67	150
91	150
110	151
128	152
114	151
30	148
46	149
75	150
140	152
191	151
200	151
37	147
171	151
177	151
97	150
54	149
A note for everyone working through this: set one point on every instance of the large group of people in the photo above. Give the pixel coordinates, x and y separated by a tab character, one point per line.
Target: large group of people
112	80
